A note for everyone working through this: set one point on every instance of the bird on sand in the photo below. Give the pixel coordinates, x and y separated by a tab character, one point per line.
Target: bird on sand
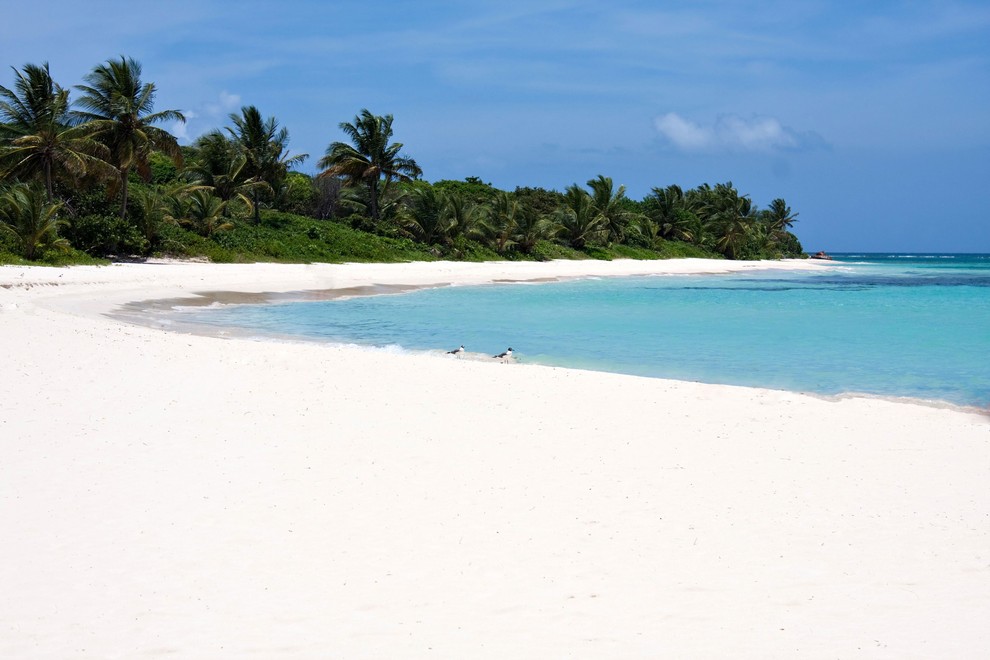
457	351
504	357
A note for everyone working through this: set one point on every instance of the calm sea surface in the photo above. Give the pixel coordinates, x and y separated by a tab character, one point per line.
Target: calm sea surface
891	325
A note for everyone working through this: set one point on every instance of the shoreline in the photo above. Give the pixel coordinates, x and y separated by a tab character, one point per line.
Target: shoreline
141	312
142	315
174	493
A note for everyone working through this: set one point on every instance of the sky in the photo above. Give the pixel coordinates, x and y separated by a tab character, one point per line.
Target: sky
872	120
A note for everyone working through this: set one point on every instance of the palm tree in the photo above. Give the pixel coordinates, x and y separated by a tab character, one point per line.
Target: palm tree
726	217
762	240
531	228
780	216
36	139
221	166
36	100
503	220
159	205
26	214
608	203
662	205
428	220
265	146
204	212
370	157
465	216
579	219
152	206
735	215
118	112
649	233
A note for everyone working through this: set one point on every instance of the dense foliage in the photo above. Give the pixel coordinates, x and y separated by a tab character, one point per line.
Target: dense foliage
96	178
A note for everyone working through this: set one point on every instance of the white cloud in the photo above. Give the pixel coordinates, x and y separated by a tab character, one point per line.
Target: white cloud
758	134
730	133
229	101
179	130
225	103
204	117
685	135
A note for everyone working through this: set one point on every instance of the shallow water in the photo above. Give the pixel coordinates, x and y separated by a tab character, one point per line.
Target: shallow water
891	325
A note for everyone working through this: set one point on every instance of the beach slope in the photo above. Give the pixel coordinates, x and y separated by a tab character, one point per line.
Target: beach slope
170	494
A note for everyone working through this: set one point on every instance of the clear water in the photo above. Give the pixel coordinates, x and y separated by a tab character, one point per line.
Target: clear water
891	325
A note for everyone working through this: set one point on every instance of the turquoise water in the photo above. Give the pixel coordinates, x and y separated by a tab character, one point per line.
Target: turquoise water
891	325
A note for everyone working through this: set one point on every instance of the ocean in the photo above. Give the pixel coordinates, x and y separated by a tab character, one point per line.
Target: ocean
891	325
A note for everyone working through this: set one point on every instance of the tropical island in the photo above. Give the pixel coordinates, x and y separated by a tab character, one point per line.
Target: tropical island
93	176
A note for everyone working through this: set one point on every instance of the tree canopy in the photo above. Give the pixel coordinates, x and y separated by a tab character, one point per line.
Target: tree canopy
84	157
370	158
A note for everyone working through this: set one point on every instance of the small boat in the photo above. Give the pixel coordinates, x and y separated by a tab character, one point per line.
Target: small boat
821	254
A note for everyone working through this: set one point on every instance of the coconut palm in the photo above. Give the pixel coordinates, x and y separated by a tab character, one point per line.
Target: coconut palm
35	100
118	111
393	208
223	167
159	205
428	220
503	220
663	206
736	218
531	228
649	232
211	153
762	240
26	214
233	184
37	140
466	217
371	158
725	217
204	213
579	219
609	204
265	146
779	215
153	211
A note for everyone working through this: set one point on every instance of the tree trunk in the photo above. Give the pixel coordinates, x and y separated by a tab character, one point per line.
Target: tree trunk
48	181
124	176
373	188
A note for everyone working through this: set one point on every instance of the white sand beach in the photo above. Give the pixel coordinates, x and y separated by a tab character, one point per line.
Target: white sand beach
164	494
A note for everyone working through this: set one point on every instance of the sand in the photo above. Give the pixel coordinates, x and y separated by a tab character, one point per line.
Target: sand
164	494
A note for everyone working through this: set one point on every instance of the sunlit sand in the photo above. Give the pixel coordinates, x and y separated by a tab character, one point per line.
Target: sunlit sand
165	493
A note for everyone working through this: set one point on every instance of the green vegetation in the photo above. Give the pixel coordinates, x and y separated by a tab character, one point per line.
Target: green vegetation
95	178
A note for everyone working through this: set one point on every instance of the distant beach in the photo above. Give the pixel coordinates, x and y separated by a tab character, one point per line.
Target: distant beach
205	497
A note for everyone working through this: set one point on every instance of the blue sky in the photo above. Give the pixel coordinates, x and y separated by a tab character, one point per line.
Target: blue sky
871	119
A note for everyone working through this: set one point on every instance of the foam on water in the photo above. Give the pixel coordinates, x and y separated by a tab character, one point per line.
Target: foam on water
891	325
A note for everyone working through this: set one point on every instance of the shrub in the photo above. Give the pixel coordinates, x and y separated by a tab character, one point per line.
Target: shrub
548	250
105	235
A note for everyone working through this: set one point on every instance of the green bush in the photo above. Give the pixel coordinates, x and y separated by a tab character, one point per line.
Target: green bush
8	244
8	258
69	257
105	235
163	170
548	250
462	249
297	195
600	253
682	250
89	201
